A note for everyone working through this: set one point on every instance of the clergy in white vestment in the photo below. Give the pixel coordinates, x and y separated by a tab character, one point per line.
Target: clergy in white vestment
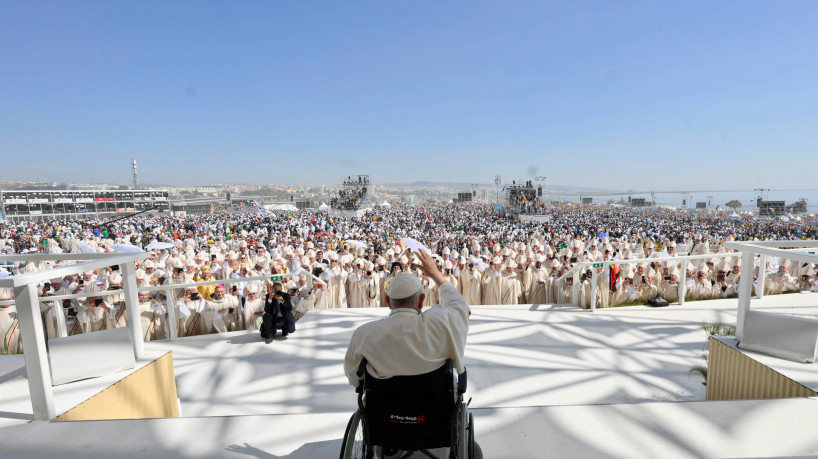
224	309
511	284
253	308
9	325
492	283
469	284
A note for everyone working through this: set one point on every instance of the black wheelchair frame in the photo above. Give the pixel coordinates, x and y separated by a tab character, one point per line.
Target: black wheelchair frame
432	393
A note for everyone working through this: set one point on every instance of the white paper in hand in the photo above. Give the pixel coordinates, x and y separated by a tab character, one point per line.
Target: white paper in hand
414	245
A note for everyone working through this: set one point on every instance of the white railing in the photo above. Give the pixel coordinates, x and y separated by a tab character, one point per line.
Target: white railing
763	249
59	311
762	262
581	266
27	299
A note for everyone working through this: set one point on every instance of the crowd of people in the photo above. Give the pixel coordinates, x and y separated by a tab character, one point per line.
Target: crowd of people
335	262
348	198
352	195
525	198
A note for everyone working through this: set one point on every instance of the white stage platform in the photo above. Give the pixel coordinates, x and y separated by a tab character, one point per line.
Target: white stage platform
15	404
545	380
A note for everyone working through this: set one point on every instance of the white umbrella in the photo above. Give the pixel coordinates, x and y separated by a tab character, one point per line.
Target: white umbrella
159	245
126	248
357	244
85	248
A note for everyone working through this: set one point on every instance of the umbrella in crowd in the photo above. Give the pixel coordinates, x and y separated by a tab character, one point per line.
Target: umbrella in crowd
126	248
159	245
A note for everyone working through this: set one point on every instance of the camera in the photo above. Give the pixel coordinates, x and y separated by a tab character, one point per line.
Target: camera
667	277
115	268
180	270
213	257
81	282
97	301
235	289
369	273
194	297
230	310
573	259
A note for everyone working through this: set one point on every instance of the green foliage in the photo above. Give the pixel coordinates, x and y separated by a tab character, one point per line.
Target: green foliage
734	204
718	329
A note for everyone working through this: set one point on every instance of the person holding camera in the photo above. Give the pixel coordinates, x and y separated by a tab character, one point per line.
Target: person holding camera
116	318
354	285
371	288
151	313
669	285
648	289
702	288
94	316
222	309
278	314
190	313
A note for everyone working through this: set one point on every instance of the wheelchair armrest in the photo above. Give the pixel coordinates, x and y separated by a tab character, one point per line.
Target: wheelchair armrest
461	382
361	369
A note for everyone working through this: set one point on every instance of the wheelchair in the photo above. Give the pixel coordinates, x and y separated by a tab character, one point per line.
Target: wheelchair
410	414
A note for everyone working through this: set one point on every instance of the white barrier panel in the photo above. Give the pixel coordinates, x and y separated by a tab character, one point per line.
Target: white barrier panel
788	337
90	355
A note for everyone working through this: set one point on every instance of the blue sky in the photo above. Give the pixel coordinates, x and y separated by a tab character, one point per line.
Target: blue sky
623	95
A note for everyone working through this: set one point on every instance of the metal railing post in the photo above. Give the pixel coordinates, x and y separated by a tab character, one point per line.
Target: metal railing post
683	283
745	290
128	271
594	288
762	274
173	327
35	355
575	288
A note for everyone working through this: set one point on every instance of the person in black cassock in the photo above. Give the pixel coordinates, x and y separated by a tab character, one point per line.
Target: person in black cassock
278	314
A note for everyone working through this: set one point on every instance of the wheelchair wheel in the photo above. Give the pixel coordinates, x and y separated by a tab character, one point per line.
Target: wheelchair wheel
354	444
471	436
462	447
